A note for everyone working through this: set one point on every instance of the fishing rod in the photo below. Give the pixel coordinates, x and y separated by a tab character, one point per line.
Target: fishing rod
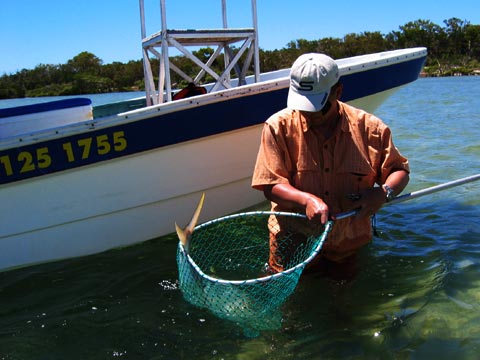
418	193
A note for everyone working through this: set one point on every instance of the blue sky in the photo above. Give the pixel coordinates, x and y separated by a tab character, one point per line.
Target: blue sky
36	32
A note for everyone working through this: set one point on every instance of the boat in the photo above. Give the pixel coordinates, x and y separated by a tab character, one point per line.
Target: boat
31	118
128	173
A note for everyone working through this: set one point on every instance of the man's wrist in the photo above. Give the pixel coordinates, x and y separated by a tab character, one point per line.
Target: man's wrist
389	193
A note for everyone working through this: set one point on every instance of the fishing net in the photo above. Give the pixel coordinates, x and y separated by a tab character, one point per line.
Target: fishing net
226	268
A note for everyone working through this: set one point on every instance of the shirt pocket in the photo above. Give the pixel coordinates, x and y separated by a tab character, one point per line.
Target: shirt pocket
355	175
306	175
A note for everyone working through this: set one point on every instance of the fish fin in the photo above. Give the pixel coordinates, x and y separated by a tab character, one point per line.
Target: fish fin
182	236
191	225
185	234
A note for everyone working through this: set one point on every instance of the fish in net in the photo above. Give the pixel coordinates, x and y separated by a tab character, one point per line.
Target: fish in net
224	267
224	264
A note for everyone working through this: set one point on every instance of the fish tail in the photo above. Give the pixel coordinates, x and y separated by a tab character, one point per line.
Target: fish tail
185	234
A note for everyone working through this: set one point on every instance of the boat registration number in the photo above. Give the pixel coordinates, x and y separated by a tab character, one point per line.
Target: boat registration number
79	151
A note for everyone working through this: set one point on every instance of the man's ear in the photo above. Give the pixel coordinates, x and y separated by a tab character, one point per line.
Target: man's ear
338	91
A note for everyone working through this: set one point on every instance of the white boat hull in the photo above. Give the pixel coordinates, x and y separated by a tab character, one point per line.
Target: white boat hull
99	207
131	198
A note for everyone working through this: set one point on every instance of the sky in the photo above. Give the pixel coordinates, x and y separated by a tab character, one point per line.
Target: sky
34	32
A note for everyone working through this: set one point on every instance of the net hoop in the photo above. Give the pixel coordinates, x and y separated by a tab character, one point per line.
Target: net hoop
328	227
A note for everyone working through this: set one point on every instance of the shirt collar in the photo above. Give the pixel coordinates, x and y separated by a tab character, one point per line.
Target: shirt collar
303	121
343	119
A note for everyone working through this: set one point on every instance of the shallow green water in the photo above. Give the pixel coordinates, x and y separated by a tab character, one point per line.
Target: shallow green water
416	296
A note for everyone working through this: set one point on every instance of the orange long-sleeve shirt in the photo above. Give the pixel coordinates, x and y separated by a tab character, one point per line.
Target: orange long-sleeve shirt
359	154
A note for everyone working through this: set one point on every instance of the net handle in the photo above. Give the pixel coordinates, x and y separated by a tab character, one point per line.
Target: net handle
419	193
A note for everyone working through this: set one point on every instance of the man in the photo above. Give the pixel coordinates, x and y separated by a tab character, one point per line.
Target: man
321	157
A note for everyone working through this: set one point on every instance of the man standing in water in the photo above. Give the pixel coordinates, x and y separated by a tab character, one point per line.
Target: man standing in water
321	157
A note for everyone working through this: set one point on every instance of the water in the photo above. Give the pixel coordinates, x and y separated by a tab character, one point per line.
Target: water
416	296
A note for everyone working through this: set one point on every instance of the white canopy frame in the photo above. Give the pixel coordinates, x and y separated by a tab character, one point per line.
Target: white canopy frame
221	40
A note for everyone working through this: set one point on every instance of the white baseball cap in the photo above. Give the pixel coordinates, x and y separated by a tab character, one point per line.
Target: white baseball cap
311	78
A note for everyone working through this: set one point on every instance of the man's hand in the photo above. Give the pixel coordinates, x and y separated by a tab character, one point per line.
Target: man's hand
291	198
317	209
370	201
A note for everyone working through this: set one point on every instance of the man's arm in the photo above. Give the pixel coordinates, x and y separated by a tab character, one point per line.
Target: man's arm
290	197
397	181
374	198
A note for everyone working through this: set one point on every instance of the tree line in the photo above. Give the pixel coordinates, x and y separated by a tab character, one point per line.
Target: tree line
452	49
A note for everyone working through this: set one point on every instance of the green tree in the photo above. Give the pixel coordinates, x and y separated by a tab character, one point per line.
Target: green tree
85	62
85	83
455	28
472	38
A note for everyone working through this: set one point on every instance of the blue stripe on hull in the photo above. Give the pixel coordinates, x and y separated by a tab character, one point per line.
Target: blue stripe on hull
121	140
361	84
42	107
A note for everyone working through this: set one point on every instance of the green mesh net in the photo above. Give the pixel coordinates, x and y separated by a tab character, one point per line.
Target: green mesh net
227	268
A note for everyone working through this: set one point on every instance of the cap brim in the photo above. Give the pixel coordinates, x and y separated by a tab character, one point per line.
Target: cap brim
311	103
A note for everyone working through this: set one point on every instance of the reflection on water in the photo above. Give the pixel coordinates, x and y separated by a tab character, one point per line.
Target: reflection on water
416	295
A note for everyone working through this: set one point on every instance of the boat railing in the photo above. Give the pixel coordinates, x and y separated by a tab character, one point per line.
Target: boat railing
224	42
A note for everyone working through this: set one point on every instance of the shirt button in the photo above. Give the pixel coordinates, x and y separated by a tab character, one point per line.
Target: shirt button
327	193
327	170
